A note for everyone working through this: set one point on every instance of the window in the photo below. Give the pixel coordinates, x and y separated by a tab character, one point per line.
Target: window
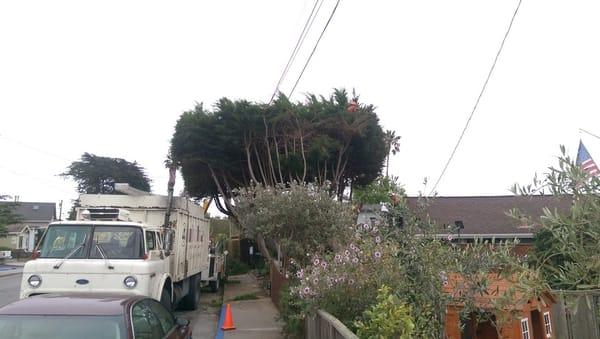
62	240
53	326
547	325
167	321
117	242
525	328
144	322
150	241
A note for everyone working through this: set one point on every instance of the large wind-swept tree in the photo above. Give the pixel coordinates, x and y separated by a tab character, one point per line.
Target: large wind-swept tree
323	140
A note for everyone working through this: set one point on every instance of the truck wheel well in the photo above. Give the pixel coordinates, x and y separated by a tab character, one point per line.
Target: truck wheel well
168	286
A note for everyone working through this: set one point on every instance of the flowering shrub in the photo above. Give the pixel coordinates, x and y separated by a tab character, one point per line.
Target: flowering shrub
345	283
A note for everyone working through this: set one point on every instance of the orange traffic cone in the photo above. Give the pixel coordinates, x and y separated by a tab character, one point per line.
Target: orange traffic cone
228	322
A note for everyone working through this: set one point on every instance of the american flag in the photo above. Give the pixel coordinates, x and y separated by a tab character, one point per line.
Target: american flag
585	161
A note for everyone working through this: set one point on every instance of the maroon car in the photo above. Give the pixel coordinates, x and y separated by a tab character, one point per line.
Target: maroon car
80	316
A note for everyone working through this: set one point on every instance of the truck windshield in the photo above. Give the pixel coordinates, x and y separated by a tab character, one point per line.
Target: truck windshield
116	242
61	240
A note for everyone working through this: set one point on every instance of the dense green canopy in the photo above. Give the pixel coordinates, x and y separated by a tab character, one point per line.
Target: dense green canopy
239	143
95	174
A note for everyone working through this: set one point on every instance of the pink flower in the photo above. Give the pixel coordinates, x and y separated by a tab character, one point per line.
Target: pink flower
300	274
323	264
316	261
355	260
306	290
338	258
377	239
346	253
352	247
377	254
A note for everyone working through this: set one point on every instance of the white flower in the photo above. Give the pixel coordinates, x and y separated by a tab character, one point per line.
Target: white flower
316	261
355	260
377	239
377	254
300	274
323	264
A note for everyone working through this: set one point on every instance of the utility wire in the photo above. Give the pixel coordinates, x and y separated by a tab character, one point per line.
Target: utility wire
462	134
592	134
315	48
299	43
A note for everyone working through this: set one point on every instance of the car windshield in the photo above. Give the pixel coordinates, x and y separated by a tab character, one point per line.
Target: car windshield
62	326
107	242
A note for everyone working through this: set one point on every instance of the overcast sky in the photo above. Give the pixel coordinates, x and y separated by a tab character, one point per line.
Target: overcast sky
112	78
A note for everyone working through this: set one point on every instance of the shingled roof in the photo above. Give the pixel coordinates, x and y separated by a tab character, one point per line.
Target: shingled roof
486	215
32	213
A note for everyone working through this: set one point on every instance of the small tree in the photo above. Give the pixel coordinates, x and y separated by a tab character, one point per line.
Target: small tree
566	246
301	218
95	174
7	214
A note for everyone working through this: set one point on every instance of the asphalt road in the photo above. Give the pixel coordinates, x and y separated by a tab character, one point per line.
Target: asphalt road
9	288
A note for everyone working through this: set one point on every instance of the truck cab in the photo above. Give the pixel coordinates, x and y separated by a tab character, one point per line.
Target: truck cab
118	244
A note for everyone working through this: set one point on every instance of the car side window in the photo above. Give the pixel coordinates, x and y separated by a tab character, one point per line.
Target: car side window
166	318
150	241
145	323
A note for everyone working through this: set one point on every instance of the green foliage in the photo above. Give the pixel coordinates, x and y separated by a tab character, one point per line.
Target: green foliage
302	218
566	247
236	267
95	174
383	189
8	215
415	263
247	296
240	143
388	318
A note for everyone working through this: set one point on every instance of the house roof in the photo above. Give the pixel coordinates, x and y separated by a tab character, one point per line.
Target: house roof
486	215
32	213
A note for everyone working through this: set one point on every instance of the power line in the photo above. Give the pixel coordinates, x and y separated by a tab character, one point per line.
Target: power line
299	43
592	134
315	48
39	150
462	134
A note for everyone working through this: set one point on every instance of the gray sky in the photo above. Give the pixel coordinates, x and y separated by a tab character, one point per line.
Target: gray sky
112	78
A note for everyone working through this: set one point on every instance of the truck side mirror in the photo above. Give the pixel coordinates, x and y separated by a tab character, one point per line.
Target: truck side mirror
168	243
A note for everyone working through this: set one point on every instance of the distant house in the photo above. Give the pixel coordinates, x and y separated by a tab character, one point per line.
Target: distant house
35	217
484	217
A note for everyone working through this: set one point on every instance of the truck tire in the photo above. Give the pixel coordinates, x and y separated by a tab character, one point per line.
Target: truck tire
215	284
165	299
192	300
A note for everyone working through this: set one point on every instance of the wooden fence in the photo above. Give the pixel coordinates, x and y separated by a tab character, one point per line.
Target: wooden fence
323	325
576	314
278	279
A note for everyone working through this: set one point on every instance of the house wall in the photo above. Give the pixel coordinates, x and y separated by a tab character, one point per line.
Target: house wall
6	242
511	330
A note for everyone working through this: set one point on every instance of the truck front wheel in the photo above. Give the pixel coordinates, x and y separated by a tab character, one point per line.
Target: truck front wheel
165	299
215	284
192	299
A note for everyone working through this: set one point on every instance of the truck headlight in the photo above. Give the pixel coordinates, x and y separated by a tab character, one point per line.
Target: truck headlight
130	282
34	281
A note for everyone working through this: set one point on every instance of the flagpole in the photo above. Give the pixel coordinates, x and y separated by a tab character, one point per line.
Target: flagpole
592	134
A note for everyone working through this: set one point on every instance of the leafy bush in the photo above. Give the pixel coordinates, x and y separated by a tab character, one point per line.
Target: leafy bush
235	267
388	318
302	218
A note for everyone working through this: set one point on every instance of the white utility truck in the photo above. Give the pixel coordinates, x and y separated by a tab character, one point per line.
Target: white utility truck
136	243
